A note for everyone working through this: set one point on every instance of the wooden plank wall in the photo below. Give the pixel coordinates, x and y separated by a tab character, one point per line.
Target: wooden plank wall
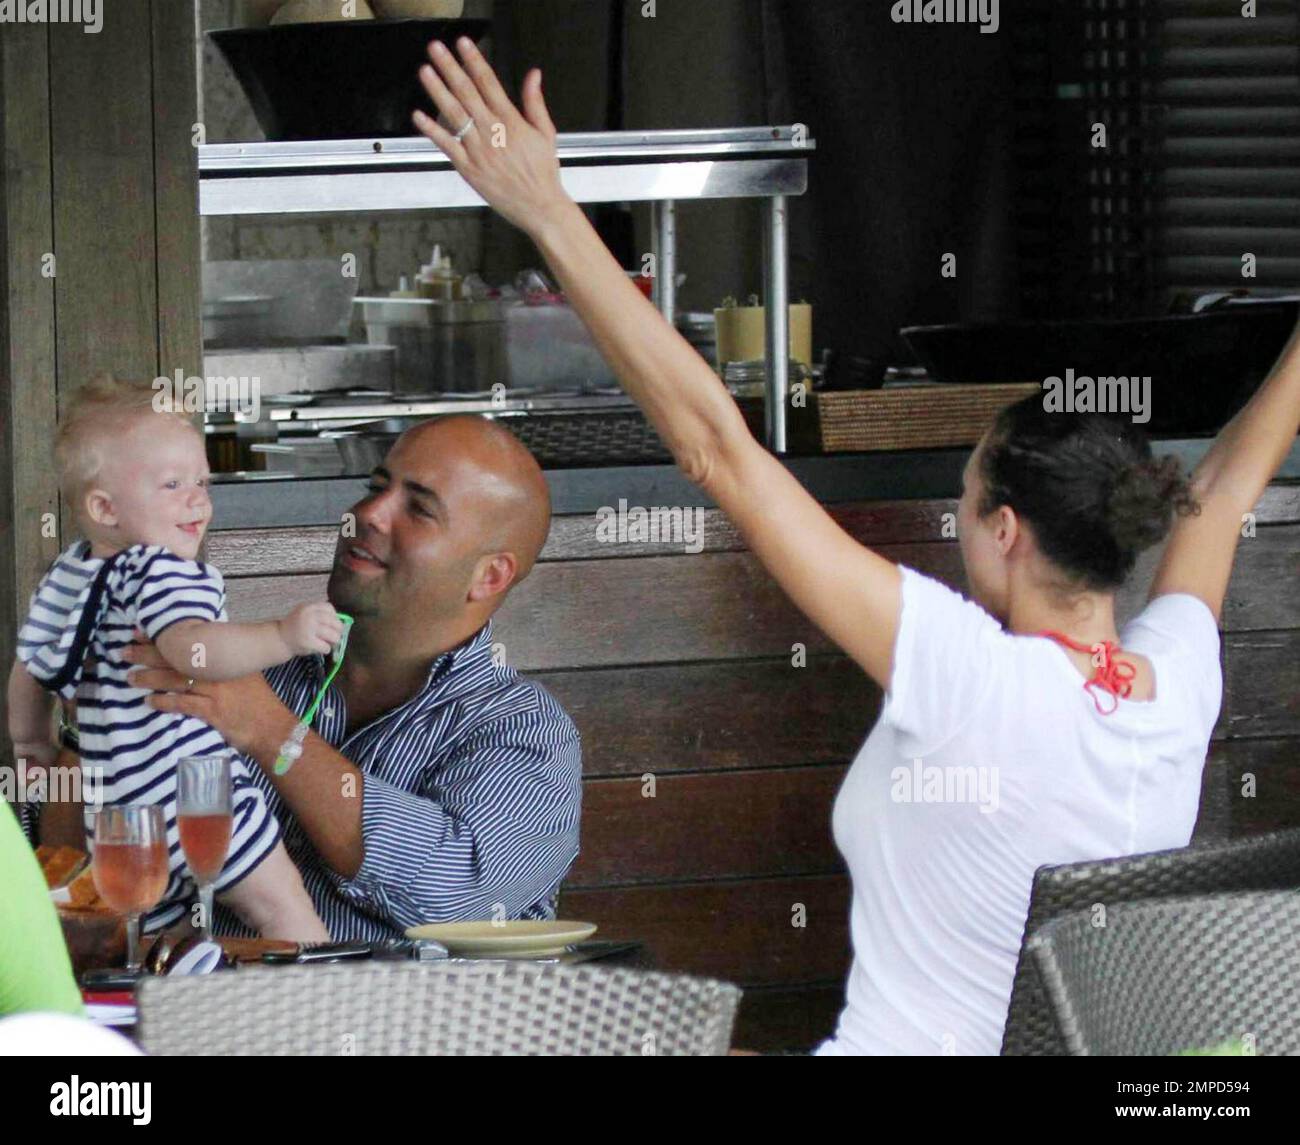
682	668
27	364
100	172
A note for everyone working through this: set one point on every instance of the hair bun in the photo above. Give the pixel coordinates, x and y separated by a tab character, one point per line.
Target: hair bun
1142	501
1088	486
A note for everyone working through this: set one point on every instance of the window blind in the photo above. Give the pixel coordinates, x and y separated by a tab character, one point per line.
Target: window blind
1225	89
1200	104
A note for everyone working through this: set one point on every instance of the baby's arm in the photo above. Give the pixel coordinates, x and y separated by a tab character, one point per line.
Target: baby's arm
210	650
30	708
272	900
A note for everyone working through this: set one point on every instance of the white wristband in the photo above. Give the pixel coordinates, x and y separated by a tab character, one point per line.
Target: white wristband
291	749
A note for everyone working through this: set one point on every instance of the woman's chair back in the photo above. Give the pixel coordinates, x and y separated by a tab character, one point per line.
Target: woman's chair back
1213	973
1257	863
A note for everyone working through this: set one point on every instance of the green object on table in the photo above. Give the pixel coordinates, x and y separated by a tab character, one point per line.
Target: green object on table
1234	1048
283	762
35	970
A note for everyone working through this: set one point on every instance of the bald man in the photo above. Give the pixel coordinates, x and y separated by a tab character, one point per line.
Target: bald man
437	784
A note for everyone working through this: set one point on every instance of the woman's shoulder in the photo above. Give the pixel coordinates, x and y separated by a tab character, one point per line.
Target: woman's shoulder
940	606
1178	633
1173	622
948	659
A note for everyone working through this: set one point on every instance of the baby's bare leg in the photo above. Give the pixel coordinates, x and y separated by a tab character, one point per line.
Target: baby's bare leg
274	902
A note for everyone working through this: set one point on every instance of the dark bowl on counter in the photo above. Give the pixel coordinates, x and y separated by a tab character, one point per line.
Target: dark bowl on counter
339	80
1203	367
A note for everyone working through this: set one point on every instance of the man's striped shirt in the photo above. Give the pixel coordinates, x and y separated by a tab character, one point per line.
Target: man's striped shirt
82	617
471	795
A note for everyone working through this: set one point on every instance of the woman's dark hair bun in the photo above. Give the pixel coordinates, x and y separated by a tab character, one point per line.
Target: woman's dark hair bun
1087	484
1139	507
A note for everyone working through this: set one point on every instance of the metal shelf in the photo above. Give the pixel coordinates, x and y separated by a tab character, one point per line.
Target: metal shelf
308	191
660	167
359	175
714	143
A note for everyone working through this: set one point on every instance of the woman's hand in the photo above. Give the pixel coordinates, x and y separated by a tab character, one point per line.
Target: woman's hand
507	157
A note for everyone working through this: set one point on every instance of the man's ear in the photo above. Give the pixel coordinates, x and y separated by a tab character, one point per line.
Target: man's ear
494	576
99	508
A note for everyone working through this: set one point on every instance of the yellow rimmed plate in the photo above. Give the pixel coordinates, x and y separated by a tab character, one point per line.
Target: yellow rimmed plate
514	939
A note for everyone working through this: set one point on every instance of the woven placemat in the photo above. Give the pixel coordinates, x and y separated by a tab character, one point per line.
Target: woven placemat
915	417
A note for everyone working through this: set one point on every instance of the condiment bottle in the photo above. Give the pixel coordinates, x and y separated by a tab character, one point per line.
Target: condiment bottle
438	280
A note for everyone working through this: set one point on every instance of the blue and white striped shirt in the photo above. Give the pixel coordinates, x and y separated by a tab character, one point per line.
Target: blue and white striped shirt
471	797
82	617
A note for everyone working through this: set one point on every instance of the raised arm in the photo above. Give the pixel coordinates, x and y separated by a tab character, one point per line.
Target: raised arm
849	592
1228	484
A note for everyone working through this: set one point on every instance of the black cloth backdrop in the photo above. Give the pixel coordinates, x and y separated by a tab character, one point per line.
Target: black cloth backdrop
914	126
915	160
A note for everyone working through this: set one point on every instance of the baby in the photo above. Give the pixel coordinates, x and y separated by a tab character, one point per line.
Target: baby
137	476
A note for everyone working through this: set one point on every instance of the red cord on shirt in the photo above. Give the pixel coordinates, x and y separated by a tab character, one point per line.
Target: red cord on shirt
1113	676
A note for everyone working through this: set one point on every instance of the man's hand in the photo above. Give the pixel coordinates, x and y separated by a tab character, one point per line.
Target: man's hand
246	712
322	790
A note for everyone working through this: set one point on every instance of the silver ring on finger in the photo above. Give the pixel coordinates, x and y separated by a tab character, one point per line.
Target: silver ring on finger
464	131
189	684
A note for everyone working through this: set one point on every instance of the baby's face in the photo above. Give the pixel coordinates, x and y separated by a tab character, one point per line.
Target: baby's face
158	487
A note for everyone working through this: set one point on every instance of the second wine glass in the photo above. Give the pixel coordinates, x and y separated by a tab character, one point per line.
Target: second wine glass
204	821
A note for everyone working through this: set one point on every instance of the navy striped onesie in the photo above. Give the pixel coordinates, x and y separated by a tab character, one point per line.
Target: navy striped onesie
82	617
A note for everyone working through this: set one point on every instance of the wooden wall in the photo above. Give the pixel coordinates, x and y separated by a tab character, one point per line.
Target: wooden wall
27	401
101	175
681	667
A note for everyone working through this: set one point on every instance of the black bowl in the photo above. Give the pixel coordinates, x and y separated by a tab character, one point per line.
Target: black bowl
338	80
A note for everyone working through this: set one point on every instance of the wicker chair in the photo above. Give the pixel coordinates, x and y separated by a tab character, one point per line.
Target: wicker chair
1258	863
1177	974
437	1009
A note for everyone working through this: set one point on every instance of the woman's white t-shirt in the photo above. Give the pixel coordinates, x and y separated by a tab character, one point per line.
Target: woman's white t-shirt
990	760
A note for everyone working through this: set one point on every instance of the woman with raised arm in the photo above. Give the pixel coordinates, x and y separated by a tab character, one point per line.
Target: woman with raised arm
1019	728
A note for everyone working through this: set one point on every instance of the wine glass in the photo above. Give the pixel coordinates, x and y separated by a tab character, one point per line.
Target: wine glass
204	819
130	867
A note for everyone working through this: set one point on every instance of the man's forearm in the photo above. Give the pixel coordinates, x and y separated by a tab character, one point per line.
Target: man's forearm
322	789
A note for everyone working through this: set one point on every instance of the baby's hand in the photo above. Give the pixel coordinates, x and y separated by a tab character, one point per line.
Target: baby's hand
311	628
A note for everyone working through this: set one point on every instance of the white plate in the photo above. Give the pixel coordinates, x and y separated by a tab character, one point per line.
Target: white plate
521	939
110	1014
